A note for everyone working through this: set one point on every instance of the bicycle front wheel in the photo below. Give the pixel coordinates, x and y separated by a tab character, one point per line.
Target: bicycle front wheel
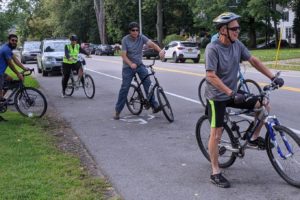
30	102
250	87
284	154
89	86
70	87
226	157
201	91
134	100
164	103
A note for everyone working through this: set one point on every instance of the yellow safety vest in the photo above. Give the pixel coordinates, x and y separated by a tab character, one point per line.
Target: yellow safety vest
73	52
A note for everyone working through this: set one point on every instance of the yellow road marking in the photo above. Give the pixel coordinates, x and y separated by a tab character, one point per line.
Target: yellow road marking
293	89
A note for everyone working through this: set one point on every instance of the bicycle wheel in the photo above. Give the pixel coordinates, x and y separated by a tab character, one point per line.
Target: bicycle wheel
226	157
89	86
201	91
30	102
134	102
288	168
250	87
164	103
70	87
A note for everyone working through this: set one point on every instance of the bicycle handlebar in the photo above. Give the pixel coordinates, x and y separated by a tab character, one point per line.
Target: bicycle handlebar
27	72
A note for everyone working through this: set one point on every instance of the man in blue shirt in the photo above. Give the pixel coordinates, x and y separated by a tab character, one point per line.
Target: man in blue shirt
7	58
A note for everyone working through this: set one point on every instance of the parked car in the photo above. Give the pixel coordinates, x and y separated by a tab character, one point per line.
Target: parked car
51	57
149	52
182	50
86	47
92	48
30	50
272	44
105	49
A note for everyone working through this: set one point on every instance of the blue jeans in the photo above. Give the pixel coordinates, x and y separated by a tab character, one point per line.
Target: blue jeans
127	76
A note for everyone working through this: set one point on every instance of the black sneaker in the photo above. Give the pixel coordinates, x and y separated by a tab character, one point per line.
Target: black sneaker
156	109
258	142
219	180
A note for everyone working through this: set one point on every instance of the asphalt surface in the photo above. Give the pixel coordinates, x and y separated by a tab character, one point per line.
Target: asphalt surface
147	158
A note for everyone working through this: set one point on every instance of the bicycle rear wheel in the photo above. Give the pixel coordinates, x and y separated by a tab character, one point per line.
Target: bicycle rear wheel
287	167
226	157
30	102
70	87
89	86
250	87
164	103
134	101
201	91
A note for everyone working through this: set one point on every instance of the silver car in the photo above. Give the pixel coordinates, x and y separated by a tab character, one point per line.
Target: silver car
51	57
30	51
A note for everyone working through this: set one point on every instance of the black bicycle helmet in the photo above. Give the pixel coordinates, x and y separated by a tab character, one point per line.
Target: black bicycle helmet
133	25
74	38
225	18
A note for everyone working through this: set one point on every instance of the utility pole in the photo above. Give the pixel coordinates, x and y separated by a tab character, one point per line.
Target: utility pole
140	16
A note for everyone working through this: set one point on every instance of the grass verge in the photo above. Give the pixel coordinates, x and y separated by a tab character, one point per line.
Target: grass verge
32	167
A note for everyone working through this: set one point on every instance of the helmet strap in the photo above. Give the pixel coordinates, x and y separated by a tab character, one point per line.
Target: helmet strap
228	36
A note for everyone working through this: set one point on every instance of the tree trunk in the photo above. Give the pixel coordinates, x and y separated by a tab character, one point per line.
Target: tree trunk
252	33
159	23
100	16
273	7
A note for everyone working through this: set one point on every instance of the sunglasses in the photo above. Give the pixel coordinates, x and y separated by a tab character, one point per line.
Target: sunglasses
134	30
14	40
237	28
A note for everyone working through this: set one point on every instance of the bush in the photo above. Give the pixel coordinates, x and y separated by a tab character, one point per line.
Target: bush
172	37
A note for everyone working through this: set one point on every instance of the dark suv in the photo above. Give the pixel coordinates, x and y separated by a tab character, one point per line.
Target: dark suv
150	52
105	49
30	50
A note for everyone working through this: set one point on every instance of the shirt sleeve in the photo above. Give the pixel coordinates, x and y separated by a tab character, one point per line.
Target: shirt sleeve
211	58
124	44
67	52
245	54
8	55
145	39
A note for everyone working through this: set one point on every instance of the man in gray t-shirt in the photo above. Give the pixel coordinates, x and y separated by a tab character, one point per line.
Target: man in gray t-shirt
132	46
222	64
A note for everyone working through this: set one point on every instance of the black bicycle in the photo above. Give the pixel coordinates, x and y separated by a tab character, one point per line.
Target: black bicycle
282	144
136	99
87	84
30	102
247	85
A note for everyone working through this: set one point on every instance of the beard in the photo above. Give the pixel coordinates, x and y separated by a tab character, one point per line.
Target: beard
12	46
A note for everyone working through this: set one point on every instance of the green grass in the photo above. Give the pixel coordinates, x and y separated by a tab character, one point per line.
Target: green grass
31	167
270	54
29	81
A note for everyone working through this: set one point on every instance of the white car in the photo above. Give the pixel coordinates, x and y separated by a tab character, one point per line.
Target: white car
182	50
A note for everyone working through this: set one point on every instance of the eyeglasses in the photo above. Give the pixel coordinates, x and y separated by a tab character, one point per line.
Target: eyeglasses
134	30
14	40
236	28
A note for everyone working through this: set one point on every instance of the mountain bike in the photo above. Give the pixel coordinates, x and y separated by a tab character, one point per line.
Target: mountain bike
86	82
282	144
29	102
136	99
247	85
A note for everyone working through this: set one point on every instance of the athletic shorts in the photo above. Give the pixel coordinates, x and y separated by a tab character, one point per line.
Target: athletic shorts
216	109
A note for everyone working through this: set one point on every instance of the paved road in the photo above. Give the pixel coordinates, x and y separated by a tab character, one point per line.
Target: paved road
147	158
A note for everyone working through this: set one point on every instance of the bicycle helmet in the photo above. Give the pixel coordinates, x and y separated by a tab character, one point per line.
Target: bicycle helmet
133	25
225	18
74	38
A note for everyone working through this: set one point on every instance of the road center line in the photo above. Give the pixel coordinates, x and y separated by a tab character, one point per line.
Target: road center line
175	95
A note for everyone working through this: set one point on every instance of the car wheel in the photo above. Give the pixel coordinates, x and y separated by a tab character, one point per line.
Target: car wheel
39	70
175	59
44	73
182	60
196	60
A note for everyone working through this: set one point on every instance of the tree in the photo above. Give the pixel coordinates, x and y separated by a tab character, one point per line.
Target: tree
296	25
100	16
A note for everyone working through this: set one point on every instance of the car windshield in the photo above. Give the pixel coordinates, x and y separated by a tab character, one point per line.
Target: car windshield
31	45
189	44
55	46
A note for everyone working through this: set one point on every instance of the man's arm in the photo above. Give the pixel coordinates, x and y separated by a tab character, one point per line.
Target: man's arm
127	61
216	81
12	67
16	60
260	67
157	48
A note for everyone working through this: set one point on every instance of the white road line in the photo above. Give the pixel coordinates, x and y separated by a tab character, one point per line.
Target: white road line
180	97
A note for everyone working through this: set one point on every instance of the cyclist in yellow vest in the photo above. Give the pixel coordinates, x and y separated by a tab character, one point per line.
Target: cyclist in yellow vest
70	62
